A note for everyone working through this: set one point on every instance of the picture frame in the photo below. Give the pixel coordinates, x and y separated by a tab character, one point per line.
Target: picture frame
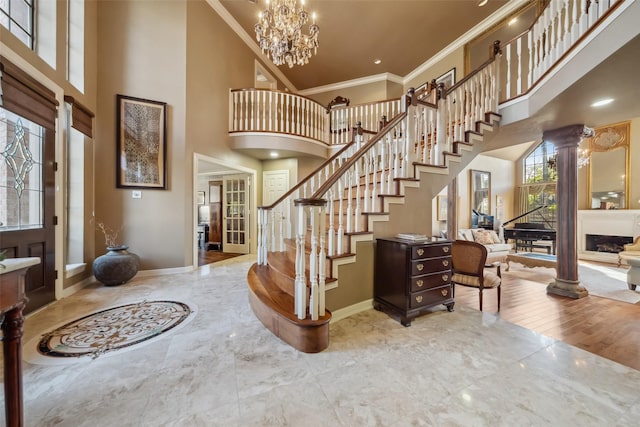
201	197
141	160
448	78
441	208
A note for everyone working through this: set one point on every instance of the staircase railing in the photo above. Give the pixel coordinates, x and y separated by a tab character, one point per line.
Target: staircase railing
263	110
531	55
332	203
369	114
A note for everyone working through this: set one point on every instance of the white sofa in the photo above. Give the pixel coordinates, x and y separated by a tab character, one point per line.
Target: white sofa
497	249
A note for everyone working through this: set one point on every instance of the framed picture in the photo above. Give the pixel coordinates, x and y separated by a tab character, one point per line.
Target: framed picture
442	208
142	143
201	197
448	78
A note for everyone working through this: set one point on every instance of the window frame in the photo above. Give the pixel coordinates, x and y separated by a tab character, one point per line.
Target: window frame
30	32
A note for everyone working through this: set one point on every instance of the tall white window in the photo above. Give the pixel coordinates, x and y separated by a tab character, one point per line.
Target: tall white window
75	44
17	17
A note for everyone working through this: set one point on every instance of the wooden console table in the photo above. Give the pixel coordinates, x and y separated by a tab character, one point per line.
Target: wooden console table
12	301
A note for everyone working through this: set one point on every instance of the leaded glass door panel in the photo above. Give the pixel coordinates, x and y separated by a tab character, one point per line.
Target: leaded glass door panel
235	224
27	185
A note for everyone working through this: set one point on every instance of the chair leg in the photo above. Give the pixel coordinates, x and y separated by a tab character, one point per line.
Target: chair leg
499	287
480	294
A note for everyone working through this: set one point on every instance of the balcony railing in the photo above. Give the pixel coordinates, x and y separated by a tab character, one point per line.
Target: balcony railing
530	56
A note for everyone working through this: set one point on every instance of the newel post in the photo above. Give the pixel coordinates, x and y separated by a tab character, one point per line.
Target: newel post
566	140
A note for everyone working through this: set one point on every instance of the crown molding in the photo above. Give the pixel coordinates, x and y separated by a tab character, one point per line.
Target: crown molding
351	83
495	18
235	26
474	32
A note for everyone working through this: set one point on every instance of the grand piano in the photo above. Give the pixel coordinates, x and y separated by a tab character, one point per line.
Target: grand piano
529	235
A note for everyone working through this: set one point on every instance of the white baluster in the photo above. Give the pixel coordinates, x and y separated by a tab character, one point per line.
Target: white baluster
300	297
330	231
281	221
272	231
313	263
260	259
356	221
340	213
348	184
374	184
321	264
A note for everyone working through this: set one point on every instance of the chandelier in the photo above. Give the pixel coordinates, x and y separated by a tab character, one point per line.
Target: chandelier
279	33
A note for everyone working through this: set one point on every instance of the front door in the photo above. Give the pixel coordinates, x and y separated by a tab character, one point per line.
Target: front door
27	187
235	221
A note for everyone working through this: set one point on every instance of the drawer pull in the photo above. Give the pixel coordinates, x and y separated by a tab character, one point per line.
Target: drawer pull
420	251
420	267
419	299
445	277
444	292
420	283
445	262
446	249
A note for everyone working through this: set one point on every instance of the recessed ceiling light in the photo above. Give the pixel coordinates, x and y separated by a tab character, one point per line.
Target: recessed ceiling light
602	102
273	154
377	61
482	3
513	21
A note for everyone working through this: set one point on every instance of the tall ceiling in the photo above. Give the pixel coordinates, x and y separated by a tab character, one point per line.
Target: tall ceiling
403	34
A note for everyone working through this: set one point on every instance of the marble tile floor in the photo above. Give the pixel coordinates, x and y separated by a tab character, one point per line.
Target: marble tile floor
224	368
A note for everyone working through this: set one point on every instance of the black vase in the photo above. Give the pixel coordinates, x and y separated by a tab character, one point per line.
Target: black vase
116	267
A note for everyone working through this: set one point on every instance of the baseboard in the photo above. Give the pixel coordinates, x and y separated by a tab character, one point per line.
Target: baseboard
165	271
345	312
78	286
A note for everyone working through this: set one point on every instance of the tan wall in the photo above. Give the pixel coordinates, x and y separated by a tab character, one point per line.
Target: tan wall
141	54
371	92
454	59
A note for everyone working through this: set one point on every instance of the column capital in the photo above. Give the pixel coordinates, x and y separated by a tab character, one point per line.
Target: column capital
567	136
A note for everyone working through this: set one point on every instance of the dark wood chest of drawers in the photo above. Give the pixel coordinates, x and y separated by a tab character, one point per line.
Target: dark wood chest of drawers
411	277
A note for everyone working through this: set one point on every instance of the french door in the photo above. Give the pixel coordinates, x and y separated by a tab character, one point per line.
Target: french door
27	191
235	222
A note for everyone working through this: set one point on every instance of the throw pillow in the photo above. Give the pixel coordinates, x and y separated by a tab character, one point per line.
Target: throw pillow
494	236
482	236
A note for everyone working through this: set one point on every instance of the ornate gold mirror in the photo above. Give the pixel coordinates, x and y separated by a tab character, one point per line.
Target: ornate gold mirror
608	167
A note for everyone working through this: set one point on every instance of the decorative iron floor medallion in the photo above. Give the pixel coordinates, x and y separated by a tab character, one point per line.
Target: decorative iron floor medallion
113	329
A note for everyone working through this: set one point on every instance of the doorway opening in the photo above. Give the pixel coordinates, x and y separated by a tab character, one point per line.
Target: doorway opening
224	200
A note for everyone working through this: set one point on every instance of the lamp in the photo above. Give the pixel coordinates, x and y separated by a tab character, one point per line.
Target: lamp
279	33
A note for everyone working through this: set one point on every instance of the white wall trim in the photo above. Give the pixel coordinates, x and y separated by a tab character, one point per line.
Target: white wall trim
345	312
383	77
77	287
237	28
166	271
59	155
490	21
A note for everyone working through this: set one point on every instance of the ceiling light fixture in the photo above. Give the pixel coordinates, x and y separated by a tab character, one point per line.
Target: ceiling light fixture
279	33
377	61
602	102
273	154
482	3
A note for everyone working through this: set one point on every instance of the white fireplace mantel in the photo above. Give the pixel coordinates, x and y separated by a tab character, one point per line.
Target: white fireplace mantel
622	222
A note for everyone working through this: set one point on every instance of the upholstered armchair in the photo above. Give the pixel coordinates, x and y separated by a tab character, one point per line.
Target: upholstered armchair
631	250
469	263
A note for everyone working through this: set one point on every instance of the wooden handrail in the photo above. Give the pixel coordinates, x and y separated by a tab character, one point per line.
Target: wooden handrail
349	107
496	52
318	169
253	89
364	149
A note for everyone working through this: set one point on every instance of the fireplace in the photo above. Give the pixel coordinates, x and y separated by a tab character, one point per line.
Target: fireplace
603	243
601	233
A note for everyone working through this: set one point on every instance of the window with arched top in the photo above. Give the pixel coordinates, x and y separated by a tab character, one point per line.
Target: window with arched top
538	188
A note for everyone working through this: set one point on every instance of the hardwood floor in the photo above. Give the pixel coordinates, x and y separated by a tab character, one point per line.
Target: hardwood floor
602	326
211	256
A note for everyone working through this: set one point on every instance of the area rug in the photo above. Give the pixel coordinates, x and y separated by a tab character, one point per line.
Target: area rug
607	282
600	280
109	330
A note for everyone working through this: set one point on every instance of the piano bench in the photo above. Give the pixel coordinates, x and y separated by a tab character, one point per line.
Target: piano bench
529	245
